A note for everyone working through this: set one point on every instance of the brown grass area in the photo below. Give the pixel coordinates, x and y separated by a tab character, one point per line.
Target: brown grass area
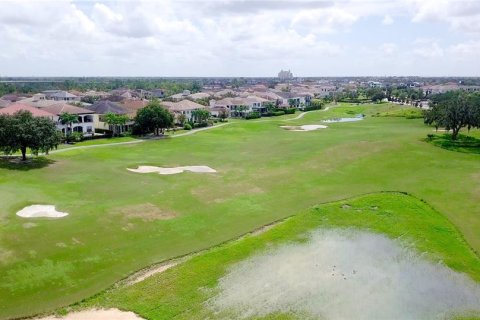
145	212
228	191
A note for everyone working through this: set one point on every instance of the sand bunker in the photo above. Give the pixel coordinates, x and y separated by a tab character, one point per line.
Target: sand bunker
308	127
41	211
160	170
357	118
97	315
345	274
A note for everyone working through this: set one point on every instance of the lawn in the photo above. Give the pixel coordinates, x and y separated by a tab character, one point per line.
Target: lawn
264	174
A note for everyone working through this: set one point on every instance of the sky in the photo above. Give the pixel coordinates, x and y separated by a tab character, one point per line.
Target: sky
239	38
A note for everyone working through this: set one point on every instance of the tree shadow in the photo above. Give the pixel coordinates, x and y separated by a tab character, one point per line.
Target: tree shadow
465	144
16	163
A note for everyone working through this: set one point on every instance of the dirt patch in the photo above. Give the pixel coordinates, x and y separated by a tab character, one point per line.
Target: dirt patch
41	211
174	170
147	273
146	212
5	255
108	314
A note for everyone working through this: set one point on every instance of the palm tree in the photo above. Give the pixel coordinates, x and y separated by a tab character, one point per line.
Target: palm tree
68	119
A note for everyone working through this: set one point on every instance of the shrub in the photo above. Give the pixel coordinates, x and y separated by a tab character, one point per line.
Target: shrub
279	113
201	125
253	115
313	107
187	126
75	137
290	111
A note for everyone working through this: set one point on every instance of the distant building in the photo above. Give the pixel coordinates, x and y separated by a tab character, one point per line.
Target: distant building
285	75
375	84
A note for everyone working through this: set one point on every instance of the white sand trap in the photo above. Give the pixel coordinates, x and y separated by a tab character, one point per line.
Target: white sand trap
345	274
307	127
41	211
109	314
161	170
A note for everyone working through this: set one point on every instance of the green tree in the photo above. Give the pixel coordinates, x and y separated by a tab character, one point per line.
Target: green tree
154	118
200	115
22	130
270	106
68	119
454	111
293	103
223	114
116	121
182	119
317	104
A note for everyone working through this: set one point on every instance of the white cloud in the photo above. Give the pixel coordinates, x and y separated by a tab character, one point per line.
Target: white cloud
463	16
388	48
465	49
387	20
325	20
427	48
231	37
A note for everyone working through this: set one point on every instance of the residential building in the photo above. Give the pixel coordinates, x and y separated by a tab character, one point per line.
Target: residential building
184	107
240	107
102	107
85	121
15	107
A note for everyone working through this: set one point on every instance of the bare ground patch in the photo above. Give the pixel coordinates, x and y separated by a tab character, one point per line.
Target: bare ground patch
97	314
145	211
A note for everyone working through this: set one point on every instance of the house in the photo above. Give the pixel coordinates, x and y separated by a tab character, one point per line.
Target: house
4	103
199	96
85	118
240	107
12	97
216	111
325	91
15	107
102	107
375	84
158	93
132	106
184	107
84	125
63	96
292	99
180	96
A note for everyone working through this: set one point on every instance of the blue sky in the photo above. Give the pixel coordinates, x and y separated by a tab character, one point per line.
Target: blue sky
239	38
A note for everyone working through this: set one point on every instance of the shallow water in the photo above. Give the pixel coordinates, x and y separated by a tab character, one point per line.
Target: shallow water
345	274
357	118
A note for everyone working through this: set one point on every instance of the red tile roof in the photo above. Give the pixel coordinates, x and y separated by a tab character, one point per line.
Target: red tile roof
13	108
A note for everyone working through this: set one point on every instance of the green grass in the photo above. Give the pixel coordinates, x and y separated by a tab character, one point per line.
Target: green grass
464	143
264	174
97	142
181	292
404	112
